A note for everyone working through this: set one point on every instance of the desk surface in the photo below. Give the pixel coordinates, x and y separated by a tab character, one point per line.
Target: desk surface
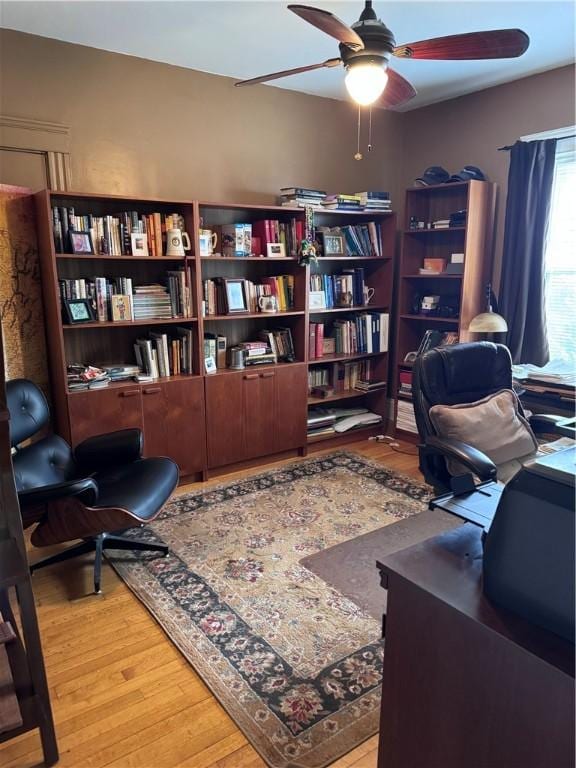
449	567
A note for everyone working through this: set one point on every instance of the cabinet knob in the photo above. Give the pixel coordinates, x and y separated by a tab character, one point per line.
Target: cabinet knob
250	375
268	375
151	390
129	393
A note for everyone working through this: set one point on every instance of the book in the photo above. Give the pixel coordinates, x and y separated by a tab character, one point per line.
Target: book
121	307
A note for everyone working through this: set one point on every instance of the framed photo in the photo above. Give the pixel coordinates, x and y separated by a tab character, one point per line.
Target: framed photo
235	295
139	244
317	300
276	250
81	242
333	244
78	311
210	365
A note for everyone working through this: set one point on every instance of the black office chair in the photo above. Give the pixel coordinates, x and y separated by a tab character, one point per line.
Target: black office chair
101	487
453	375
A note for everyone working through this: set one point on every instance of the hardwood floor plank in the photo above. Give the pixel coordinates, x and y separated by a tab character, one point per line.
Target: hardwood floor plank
208	758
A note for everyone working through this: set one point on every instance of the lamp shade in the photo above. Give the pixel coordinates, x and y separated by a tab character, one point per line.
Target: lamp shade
488	322
366	82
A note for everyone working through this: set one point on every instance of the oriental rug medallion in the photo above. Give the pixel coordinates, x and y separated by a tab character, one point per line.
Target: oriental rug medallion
295	663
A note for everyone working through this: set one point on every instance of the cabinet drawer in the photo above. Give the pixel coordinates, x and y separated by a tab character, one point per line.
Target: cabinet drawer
95	412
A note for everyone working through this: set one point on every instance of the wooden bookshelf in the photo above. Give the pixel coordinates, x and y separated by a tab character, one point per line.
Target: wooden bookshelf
467	290
204	421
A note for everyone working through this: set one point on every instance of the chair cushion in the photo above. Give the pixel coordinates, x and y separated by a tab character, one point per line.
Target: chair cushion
141	488
494	425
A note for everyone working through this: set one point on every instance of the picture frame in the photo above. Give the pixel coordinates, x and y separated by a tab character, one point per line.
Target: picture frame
81	242
139	243
235	296
78	311
316	300
210	365
333	244
276	250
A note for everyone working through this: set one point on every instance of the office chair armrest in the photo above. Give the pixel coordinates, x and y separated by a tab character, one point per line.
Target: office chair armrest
109	450
554	424
85	488
476	461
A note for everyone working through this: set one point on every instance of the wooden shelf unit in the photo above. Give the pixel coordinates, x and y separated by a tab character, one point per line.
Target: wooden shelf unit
474	240
181	416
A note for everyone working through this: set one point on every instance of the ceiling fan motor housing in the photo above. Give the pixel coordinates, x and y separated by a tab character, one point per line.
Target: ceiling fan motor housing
378	43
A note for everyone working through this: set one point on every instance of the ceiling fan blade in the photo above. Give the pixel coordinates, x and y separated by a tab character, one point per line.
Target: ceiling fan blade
397	92
287	72
330	24
493	44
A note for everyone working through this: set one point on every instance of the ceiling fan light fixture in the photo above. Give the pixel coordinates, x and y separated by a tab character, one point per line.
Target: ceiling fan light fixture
365	82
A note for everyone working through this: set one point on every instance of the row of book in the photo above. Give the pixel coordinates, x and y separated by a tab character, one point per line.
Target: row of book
345	289
112	234
339	377
117	299
405	419
319	199
367	333
362	239
163	355
271	346
222	296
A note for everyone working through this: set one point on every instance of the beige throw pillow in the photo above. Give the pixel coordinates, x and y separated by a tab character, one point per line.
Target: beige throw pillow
493	425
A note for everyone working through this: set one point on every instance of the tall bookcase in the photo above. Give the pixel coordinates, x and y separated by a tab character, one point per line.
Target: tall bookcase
465	291
204	421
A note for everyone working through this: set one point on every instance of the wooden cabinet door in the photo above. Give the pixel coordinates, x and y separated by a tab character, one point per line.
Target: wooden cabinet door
95	412
224	419
291	395
260	412
174	424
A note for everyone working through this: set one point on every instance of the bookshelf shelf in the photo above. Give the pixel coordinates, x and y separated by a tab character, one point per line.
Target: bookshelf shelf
464	292
343	358
107	257
347	395
262	368
359	308
270	316
431	319
131	383
434	231
322	259
240	259
130	323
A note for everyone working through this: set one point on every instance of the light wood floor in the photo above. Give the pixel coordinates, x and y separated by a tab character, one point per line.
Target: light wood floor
122	695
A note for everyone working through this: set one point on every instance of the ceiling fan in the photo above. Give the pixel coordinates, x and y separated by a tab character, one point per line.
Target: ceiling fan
366	48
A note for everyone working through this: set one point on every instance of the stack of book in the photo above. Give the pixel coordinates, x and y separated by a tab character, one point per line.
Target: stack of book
405	419
123	371
328	421
112	235
341	202
369	383
458	218
405	384
375	201
151	302
81	376
301	197
258	353
162	356
280	342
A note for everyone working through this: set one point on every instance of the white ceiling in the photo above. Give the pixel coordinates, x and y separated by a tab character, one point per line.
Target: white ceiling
245	39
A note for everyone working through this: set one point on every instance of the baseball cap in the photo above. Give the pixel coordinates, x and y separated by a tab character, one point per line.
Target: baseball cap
467	173
433	175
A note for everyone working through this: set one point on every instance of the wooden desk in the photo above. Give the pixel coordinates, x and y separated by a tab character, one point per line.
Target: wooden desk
466	684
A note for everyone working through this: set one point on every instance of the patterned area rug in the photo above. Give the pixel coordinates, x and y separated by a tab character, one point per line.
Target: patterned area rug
295	663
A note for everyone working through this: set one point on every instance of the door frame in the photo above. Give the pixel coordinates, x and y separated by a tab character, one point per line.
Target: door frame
39	137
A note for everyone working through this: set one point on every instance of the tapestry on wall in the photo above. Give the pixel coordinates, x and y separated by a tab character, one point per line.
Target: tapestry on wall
21	310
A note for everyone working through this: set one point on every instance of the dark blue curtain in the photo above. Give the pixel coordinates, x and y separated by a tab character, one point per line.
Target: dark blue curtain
530	181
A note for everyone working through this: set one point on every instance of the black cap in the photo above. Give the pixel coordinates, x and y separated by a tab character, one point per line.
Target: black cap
467	173
433	175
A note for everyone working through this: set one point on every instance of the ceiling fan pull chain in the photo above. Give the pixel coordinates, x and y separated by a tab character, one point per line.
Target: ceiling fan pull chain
370	130
358	155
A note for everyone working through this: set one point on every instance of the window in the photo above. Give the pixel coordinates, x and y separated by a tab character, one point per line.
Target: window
560	257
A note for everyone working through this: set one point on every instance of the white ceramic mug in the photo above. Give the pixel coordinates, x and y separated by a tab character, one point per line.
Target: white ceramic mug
177	242
268	304
208	240
368	294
